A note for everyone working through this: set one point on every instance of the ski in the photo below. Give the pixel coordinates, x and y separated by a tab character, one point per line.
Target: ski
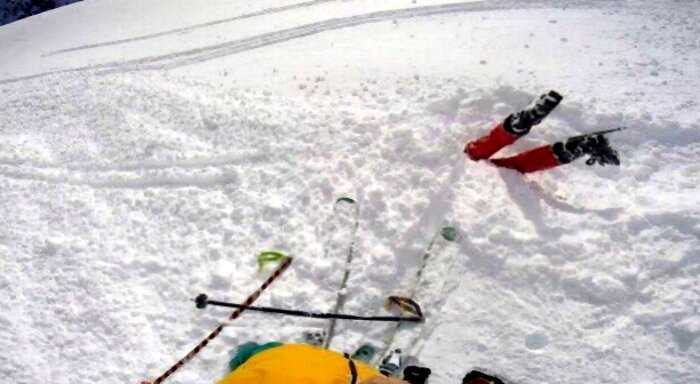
341	296
389	352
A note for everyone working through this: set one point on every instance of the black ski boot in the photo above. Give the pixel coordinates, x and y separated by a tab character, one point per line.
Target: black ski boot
519	123
478	377
414	374
597	146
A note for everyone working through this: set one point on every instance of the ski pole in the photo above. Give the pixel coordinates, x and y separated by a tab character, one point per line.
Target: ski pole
202	301
596	133
234	315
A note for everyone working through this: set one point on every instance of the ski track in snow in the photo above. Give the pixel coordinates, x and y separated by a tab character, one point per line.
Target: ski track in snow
199	55
119	207
191	28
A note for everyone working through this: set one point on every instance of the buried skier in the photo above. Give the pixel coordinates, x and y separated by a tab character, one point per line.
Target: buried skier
519	124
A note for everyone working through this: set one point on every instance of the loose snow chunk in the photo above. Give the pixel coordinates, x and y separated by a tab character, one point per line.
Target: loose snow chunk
686	331
598	289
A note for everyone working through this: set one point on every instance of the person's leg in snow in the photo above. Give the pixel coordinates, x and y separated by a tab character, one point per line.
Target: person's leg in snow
560	153
537	159
513	127
545	157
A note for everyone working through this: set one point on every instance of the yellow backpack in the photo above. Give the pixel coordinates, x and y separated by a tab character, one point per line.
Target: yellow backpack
299	364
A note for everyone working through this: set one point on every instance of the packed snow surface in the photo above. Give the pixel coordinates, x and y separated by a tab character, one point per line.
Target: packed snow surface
150	149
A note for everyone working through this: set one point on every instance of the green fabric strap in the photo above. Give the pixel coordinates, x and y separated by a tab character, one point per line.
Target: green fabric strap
248	350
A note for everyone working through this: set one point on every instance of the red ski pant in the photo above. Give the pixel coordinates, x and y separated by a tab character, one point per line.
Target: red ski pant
537	159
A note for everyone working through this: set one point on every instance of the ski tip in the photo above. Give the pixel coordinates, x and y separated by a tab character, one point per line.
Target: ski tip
345	199
449	233
266	257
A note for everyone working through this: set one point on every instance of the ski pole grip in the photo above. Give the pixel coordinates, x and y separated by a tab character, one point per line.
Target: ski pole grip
201	301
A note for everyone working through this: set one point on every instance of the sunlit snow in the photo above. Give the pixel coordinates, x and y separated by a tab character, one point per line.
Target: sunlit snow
149	150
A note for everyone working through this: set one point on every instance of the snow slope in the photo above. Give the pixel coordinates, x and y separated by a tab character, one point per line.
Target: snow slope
150	149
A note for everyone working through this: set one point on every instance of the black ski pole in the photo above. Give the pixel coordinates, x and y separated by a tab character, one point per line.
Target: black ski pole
596	133
202	301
